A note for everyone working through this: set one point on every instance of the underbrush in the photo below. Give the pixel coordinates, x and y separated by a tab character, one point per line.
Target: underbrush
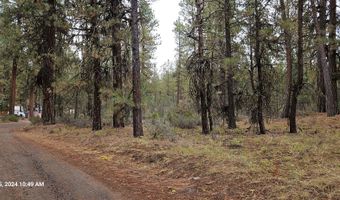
10	118
184	119
79	123
35	120
277	165
161	129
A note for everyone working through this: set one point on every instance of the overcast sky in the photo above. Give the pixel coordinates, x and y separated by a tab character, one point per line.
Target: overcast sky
166	12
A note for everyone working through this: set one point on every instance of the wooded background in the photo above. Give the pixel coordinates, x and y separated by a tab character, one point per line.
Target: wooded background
93	61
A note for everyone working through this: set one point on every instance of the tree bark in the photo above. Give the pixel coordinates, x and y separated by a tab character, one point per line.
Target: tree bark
330	103
95	58
259	70
251	58
298	85
89	107
202	72
87	72
59	111
31	101
117	69
209	99
321	91
76	105
13	85
96	109
136	80
46	73
321	83
333	47
289	60
178	72
230	75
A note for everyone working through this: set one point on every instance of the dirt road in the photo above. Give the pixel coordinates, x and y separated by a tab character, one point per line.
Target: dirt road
22	164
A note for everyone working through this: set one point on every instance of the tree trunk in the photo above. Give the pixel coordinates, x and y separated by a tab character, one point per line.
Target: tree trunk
289	60
87	71
321	91
298	85
89	106
202	72
96	119
330	103
204	109
76	105
292	116
117	69
13	85
31	101
48	115
230	76
46	73
96	109
259	70
251	58
209	99
178	72
333	47
59	106
321	83
136	80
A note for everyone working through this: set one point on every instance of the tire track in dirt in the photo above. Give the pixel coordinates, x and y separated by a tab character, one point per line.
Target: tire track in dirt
20	161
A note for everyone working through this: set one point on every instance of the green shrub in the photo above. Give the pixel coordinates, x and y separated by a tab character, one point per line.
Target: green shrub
65	119
161	129
10	118
35	120
218	130
184	119
79	123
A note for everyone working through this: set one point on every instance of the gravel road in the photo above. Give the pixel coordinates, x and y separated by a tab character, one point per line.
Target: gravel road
23	164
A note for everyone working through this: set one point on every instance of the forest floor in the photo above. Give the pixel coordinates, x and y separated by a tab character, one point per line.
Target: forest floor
234	165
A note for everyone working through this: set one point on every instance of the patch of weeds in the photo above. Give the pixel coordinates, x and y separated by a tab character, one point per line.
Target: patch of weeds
323	188
161	129
211	152
10	118
236	131
106	157
35	120
155	158
103	132
184	119
266	164
218	131
235	143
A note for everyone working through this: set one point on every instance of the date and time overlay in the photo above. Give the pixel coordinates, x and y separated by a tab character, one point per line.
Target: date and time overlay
26	184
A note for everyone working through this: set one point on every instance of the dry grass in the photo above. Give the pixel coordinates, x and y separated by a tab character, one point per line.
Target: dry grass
232	164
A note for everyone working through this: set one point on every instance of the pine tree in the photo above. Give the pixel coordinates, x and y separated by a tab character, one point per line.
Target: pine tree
299	83
136	81
230	78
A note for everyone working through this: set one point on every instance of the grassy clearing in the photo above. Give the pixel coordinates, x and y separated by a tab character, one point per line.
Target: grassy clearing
236	164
